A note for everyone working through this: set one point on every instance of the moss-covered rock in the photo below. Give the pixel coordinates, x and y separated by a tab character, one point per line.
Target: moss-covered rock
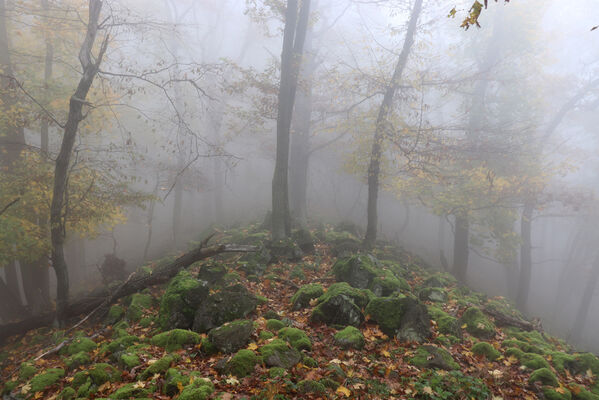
358	270
129	360
120	344
274	325
173	379
428	356
199	389
68	393
278	354
276	372
310	386
26	371
139	304
45	380
485	349
175	339
101	373
212	273
77	360
183	295
228	304
562	394
131	390
360	297
231	336
545	376
349	337
561	361
207	348
296	337
242	363
309	362
158	367
115	314
433	294
403	317
579	392
338	310
477	324
265	335
80	344
584	362
301	298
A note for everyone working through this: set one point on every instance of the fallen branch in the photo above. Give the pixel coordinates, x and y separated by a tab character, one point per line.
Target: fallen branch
507	320
100	299
9	205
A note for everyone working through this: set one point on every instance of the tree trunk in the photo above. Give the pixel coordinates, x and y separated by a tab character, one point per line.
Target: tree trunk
10	305
293	44
36	283
151	217
177	206
525	256
382	129
460	247
57	223
585	305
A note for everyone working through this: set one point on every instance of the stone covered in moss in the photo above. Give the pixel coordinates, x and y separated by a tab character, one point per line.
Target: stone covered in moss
301	298
310	386
433	294
486	350
562	394
175	339
115	314
242	363
545	376
139	304
265	335
433	357
26	371
45	380
584	362
274	325
158	367
296	337
172	380
350	337
77	360
183	295
131	390
231	336
102	372
212	273
277	372
129	360
387	284
309	362
579	392
477	324
360	297
199	389
228	304
80	344
278	354
338	310
403	317
120	344
561	361
68	394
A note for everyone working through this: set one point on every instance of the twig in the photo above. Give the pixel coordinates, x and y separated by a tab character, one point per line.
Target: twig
10	205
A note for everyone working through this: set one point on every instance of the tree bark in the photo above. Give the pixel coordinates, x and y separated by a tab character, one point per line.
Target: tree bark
57	224
460	247
382	128
585	305
525	256
293	44
136	282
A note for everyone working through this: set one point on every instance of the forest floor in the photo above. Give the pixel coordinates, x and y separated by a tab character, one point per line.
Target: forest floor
427	338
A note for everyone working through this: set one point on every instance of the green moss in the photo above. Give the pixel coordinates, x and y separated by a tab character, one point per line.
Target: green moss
524	346
329	383
173	298
360	297
433	357
545	376
122	343
436	313
158	367
485	349
514	352
449	325
534	361
115	314
9	387
277	372
200	389
43	381
477	324
173	379
207	348
261	299
139	303
101	373
68	394
77	360
579	392
269	349
584	362
129	360
309	386
80	344
79	378
296	337
231	278
146	322
560	360
131	390
563	394
26	371
350	337
274	325
175	339
120	329
265	335
310	362
301	298
387	312
297	273
242	363
86	389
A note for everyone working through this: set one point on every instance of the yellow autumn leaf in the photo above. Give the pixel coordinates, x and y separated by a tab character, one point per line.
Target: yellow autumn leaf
344	391
252	346
385	353
180	386
428	390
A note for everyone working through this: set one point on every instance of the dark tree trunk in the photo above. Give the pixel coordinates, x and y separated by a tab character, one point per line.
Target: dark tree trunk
460	247
382	129
585	304
57	223
525	256
293	45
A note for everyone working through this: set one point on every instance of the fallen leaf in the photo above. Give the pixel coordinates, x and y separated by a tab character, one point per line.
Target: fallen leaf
344	391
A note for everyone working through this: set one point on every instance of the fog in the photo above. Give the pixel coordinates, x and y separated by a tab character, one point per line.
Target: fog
183	115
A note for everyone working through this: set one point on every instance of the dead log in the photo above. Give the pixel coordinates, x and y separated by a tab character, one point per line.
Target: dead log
99	299
507	320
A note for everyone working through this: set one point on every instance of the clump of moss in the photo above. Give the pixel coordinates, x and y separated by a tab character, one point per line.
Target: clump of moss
545	376
131	390
277	372
310	362
139	303
242	363
563	394
199	389
175	309
274	325
207	347
265	335
80	344
477	324
120	344
387	312
310	386
129	360
360	297
485	349
350	337
26	371
175	339
102	372
158	367
433	357
68	394
301	298
43	381
277	353
9	387
115	314
581	393
561	360
77	360
296	337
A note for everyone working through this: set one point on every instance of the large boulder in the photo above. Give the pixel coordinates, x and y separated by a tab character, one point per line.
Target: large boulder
278	354
365	272
212	273
403	317
428	356
182	297
228	304
305	294
304	240
231	336
338	310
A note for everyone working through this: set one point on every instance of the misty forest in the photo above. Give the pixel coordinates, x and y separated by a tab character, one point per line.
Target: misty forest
299	199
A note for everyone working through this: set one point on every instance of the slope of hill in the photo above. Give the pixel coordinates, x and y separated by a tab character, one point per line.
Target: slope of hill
312	318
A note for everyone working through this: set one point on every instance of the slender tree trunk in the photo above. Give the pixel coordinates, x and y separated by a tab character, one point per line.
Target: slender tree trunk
57	224
36	285
177	205
585	304
151	217
382	129
293	45
10	305
525	256
460	247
